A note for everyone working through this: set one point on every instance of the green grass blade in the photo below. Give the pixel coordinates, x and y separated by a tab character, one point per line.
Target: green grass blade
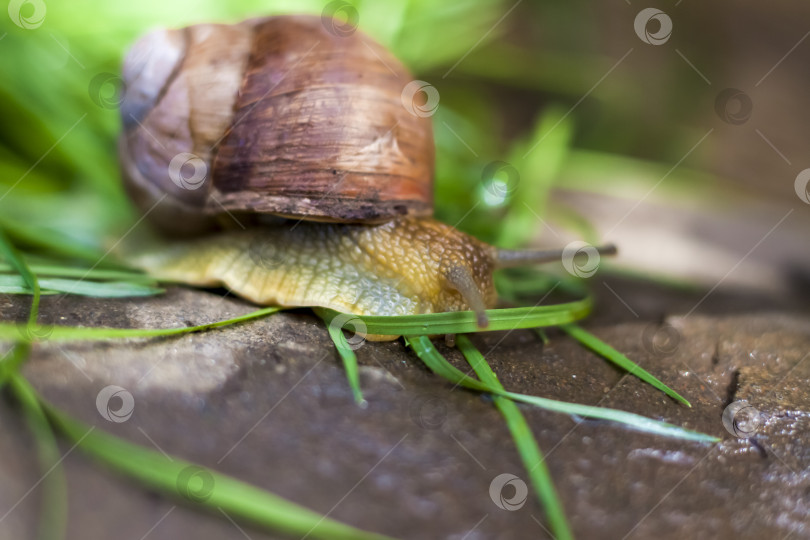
23	290
525	442
609	353
98	289
425	350
11	361
74	333
218	491
59	270
50	240
437	363
53	517
349	362
9	252
461	322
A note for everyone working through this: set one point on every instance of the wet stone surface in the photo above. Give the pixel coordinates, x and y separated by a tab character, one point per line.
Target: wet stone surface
268	403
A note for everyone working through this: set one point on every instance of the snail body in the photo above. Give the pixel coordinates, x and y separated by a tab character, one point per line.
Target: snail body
403	267
407	266
279	117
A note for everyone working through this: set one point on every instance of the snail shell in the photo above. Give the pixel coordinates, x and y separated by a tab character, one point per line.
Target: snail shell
271	116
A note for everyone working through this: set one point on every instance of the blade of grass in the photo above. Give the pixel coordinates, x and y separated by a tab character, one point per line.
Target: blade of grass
12	360
49	240
426	352
81	287
53	517
349	362
234	497
612	355
13	257
525	442
72	333
23	290
462	322
59	270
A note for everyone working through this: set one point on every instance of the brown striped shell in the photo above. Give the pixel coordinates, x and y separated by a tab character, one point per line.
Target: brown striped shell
271	116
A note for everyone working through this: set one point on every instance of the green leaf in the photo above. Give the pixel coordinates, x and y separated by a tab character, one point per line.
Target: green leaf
218	491
462	322
423	347
98	289
54	269
609	353
53	517
73	333
525	442
12	360
41	237
349	360
13	257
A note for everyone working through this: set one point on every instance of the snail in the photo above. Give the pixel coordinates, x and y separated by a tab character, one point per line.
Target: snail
296	143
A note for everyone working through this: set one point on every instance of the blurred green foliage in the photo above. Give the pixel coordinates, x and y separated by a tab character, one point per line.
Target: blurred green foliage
59	179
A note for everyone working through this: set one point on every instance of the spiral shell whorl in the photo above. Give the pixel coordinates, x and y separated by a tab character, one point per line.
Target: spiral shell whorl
272	115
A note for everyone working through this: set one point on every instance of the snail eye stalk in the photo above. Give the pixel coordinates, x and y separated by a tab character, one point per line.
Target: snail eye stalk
460	278
510	258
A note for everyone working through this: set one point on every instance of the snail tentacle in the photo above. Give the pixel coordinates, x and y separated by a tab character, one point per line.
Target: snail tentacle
460	279
510	258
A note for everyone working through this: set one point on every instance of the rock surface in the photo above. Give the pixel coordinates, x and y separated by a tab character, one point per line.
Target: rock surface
267	402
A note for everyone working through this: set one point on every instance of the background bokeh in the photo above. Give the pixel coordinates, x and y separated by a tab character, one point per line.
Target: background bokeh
556	121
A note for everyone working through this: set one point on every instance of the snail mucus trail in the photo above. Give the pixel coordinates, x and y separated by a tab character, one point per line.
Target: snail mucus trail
287	119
